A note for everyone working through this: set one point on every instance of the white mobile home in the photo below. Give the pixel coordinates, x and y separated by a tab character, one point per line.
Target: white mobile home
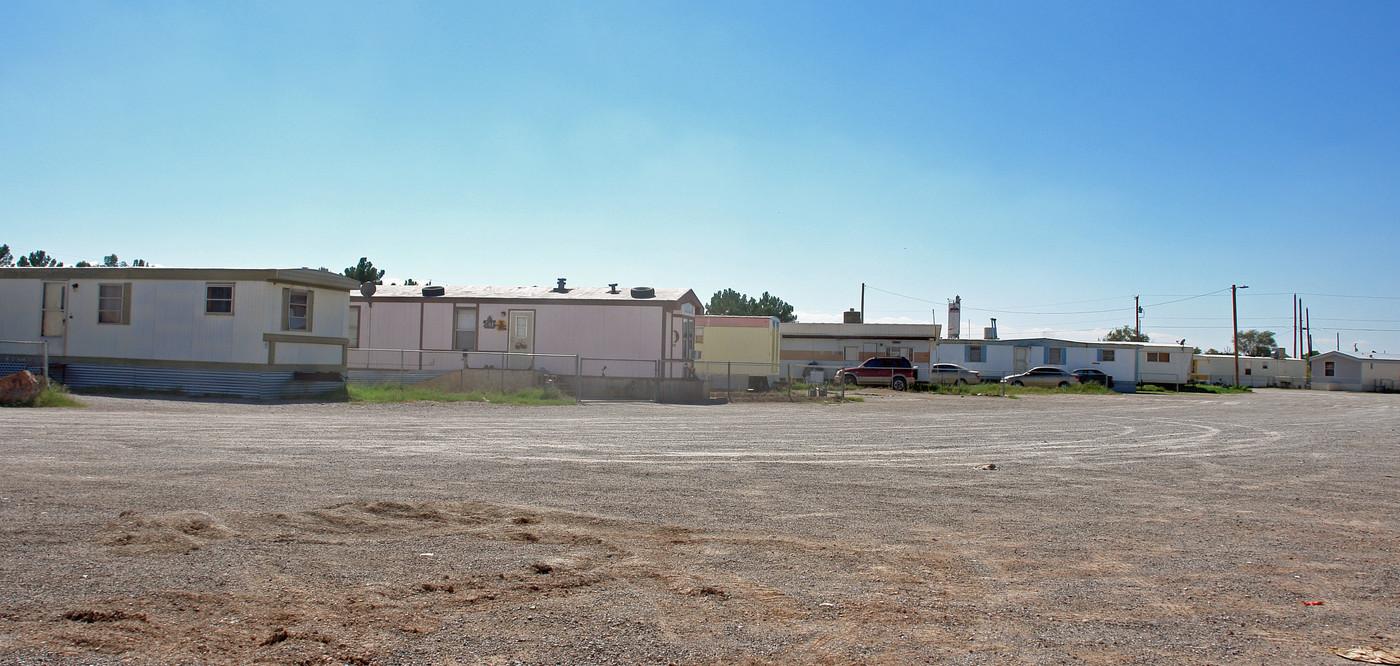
1129	363
1255	371
598	342
1164	364
261	333
994	359
1340	371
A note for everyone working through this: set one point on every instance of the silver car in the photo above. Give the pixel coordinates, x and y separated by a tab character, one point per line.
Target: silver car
950	373
1043	376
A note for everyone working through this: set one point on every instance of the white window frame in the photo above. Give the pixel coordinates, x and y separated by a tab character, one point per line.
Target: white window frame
457	332
209	298
106	312
291	321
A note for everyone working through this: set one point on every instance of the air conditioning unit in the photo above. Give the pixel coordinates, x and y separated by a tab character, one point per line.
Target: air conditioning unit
695	354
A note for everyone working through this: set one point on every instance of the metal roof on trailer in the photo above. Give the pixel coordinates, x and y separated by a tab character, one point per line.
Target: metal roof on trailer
1357	356
303	276
663	294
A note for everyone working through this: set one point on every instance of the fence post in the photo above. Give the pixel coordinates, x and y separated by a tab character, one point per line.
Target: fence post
578	378
401	352
45	345
789	382
505	358
729	381
660	371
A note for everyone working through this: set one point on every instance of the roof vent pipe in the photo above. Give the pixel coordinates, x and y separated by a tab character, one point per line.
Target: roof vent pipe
560	288
612	288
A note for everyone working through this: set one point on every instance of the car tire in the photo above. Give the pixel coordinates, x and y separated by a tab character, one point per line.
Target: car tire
899	383
1064	384
1017	383
850	380
960	382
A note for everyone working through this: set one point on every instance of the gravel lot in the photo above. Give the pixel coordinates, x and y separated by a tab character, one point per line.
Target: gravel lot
1258	528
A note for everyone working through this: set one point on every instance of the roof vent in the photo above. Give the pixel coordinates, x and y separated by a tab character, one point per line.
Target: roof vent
560	289
612	288
643	292
434	291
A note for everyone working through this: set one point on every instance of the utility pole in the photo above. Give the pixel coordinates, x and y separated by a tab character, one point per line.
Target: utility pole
862	302
1297	330
1235	317
1137	320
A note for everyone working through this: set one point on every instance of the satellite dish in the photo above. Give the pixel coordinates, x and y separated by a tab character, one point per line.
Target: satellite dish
367	289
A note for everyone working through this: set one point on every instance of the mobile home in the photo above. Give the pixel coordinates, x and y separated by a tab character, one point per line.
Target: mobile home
258	333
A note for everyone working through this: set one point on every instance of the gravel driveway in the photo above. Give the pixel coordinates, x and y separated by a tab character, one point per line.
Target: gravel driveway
1256	528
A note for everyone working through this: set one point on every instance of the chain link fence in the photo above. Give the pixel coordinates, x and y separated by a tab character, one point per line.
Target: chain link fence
17	355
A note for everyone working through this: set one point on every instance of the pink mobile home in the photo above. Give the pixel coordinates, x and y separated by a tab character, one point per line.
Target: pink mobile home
609	332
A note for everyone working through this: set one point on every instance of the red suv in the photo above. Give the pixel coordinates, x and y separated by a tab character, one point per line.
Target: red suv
895	372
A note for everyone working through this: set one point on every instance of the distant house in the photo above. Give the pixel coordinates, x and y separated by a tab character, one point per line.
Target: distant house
259	333
1129	363
1342	371
737	352
1255	371
417	332
834	346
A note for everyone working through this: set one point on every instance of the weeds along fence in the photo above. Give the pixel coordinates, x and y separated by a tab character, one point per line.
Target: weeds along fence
589	378
735	379
583	377
17	355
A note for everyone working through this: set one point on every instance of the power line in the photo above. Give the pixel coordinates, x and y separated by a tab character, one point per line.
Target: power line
1289	293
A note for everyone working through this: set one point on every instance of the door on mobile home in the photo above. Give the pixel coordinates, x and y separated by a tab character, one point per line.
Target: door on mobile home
55	315
1018	359
521	339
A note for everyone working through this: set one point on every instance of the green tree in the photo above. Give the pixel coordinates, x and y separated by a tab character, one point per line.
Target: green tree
39	259
410	282
1126	334
6	259
1257	343
110	261
730	302
83	264
365	272
139	263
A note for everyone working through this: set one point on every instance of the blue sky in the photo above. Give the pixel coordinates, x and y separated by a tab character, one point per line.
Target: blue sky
1044	161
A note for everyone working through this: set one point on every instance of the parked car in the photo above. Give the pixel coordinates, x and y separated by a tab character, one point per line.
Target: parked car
1087	375
950	373
895	372
1044	376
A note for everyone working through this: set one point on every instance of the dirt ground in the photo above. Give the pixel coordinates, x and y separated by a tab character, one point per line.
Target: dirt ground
1258	528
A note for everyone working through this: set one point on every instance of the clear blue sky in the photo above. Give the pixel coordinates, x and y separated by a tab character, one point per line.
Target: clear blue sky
1047	161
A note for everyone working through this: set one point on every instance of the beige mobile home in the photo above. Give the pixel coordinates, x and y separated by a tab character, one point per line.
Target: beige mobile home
737	352
259	333
1255	371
